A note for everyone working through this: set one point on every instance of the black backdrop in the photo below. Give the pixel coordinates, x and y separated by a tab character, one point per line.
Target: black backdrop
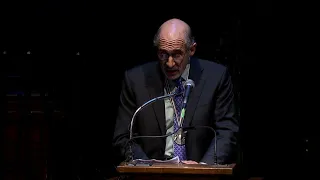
75	52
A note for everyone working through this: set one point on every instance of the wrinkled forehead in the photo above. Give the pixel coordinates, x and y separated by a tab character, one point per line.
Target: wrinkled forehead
172	44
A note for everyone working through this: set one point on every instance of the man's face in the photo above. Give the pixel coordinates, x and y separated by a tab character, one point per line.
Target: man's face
174	56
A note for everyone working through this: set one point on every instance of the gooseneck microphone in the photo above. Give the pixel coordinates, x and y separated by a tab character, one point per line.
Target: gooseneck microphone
188	85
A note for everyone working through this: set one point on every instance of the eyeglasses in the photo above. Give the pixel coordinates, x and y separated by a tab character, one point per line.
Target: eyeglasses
176	55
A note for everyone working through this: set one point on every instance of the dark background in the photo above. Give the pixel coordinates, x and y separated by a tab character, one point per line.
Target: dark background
63	61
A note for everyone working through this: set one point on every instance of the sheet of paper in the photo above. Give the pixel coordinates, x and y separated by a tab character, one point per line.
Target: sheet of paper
174	160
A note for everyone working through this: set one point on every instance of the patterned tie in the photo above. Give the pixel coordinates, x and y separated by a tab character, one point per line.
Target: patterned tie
179	150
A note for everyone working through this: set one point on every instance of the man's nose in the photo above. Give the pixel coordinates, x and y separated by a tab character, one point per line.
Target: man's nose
170	63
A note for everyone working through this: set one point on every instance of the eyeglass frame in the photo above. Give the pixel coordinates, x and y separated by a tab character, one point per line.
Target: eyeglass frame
172	54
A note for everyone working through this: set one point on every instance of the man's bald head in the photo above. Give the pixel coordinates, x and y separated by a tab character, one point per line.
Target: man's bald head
174	29
175	47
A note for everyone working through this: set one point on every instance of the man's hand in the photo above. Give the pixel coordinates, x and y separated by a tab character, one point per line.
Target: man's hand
189	162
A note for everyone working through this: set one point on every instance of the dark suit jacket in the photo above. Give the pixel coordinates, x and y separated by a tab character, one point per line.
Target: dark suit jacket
210	104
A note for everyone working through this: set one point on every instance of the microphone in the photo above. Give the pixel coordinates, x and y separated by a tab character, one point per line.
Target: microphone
188	85
215	157
142	107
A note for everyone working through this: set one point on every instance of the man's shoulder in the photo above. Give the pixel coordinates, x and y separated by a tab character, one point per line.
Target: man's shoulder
141	69
211	66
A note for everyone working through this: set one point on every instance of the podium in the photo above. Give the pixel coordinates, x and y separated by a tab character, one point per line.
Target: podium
161	171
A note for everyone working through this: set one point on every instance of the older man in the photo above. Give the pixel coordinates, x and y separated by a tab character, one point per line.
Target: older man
210	104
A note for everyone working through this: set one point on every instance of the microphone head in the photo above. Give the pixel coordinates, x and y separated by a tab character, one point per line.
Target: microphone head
189	82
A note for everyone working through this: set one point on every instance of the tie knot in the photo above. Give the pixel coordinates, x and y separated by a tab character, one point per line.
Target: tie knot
179	84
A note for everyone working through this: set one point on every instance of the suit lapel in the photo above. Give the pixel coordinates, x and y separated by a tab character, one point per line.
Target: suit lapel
155	88
195	75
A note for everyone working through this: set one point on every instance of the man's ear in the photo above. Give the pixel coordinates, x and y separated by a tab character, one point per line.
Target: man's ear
193	49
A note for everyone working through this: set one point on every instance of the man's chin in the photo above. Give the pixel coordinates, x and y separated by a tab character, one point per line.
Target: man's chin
173	77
